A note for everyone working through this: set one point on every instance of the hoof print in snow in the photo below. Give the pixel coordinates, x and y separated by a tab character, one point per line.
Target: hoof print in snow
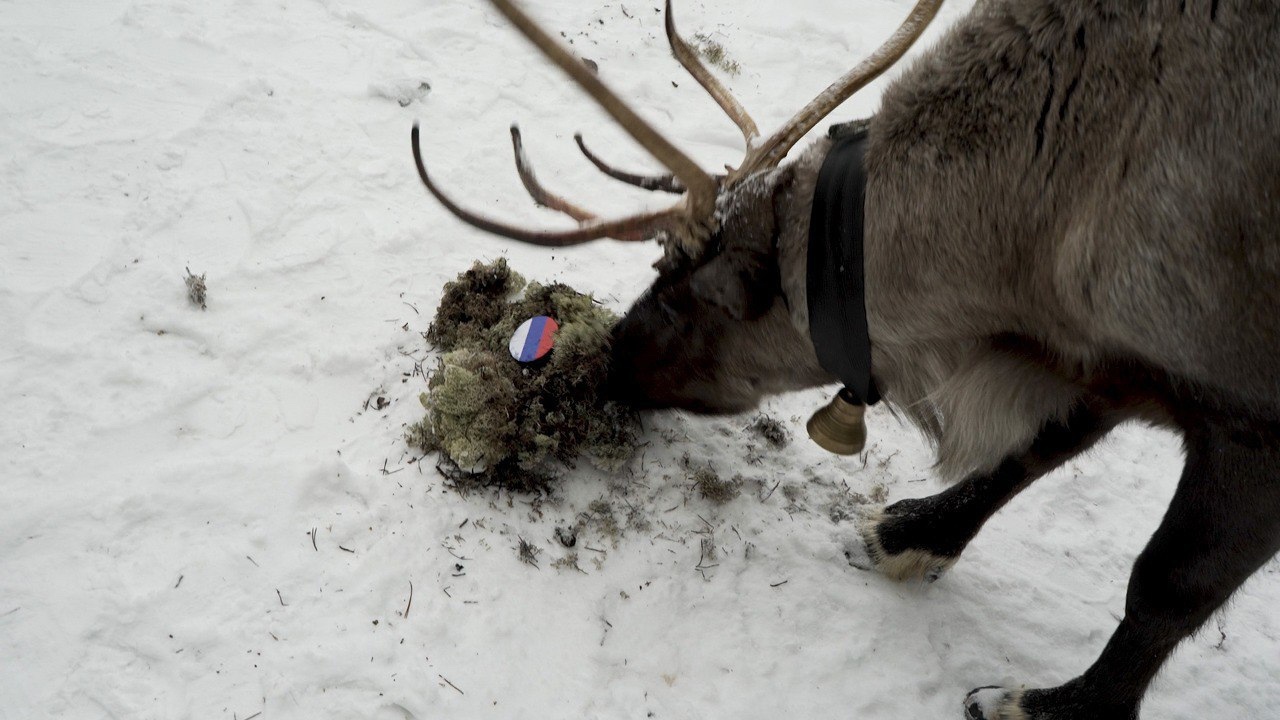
567	536
403	92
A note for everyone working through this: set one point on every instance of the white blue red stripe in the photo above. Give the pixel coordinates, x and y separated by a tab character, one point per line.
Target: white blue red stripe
533	339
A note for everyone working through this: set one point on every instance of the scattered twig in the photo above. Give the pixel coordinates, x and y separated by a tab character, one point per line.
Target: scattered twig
780	584
528	552
410	604
706	551
313	540
255	562
353	552
251	717
282	602
455	687
771	491
12	611
175	585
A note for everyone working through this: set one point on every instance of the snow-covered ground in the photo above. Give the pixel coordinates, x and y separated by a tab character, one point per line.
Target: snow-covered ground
205	515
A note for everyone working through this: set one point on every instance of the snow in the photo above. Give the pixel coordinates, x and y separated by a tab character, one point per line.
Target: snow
207	515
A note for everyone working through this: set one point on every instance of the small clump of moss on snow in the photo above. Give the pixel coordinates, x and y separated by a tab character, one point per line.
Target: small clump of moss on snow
771	431
711	487
496	421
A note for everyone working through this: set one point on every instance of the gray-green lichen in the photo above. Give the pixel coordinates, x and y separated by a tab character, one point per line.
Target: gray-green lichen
497	422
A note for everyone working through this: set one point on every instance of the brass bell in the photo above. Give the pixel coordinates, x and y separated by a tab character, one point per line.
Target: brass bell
838	427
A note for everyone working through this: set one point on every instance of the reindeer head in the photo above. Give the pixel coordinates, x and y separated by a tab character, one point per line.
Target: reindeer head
713	333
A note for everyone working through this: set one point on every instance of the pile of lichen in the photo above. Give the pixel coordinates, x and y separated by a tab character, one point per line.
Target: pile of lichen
497	422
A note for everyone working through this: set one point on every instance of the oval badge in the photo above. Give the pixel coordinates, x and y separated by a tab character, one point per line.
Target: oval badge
534	338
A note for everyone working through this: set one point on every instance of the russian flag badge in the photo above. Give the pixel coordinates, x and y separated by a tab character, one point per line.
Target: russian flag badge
534	339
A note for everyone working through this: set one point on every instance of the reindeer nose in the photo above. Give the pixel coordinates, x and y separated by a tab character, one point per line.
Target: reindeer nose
620	383
624	383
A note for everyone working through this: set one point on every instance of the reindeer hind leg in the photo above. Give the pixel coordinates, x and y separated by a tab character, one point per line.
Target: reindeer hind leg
1222	525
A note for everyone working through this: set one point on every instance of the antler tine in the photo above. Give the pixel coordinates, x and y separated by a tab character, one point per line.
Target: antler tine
699	203
727	102
636	227
665	183
775	148
540	194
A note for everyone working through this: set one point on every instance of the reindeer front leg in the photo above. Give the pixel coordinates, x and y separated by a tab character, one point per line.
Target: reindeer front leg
921	538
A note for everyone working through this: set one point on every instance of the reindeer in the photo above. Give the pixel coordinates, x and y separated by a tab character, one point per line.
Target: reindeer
1072	220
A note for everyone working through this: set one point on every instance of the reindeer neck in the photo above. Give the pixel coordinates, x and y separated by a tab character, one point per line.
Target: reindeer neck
793	238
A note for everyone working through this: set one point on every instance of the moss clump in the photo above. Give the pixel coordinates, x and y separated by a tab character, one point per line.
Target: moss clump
714	53
197	290
771	431
709	485
472	304
503	422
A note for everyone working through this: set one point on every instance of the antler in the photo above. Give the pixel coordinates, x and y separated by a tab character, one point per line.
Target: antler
773	150
718	92
540	194
636	227
693	219
665	183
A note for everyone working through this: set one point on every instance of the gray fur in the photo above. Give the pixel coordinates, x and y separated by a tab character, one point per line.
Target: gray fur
1100	177
1072	219
1097	178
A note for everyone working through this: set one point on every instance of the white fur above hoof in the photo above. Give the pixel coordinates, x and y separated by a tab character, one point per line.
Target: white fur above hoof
914	565
993	703
862	549
906	565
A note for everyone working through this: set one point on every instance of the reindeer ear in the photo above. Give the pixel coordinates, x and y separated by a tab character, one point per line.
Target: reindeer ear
743	278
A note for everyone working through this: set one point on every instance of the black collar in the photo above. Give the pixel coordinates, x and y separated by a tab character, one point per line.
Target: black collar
835	290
